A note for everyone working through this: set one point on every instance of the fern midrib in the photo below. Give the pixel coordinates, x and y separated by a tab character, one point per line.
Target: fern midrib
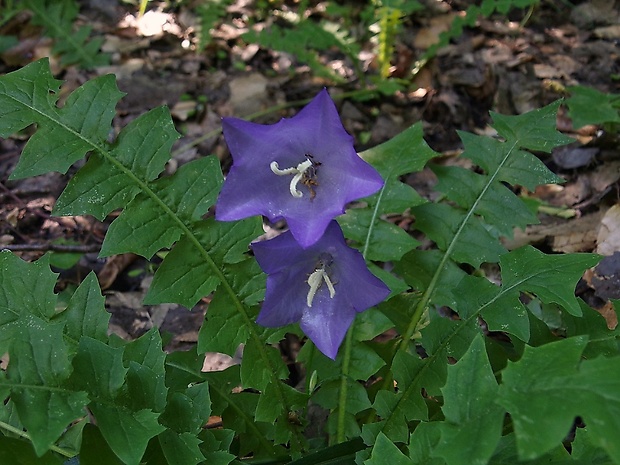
191	236
428	293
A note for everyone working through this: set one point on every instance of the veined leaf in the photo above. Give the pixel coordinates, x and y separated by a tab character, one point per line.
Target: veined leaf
473	423
385	451
459	231
86	315
39	368
377	238
551	385
27	289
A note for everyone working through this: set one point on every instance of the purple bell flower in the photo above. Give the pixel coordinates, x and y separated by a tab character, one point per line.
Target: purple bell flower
322	286
303	169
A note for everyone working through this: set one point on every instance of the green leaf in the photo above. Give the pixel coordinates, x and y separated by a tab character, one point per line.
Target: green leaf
145	358
463	187
357	398
550	386
186	275
473	422
507	164
188	411
180	449
19	452
27	289
65	134
188	193
403	154
550	277
95	450
127	432
86	315
253	366
138	155
58	17
39	367
224	328
384	451
535	130
448	227
98	369
423	441
587	105
386	242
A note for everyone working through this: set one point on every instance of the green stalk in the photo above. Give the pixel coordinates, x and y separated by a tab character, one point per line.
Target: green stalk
348	343
23	434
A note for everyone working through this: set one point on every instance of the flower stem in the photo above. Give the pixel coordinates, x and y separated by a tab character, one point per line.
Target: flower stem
344	383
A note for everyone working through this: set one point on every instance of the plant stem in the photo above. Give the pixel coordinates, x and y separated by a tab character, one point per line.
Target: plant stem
344	378
23	434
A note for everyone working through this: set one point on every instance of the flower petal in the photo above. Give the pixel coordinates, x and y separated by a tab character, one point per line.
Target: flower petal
337	177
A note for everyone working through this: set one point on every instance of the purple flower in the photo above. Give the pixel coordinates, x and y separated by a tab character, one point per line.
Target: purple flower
322	286
303	169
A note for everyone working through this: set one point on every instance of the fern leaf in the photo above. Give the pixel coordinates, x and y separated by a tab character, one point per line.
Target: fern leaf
57	18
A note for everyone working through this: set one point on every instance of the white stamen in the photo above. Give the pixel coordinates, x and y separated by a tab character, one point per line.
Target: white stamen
298	172
315	280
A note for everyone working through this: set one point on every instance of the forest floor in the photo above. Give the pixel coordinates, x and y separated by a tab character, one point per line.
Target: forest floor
508	65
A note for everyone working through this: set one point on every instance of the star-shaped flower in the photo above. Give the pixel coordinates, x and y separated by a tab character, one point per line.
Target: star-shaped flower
303	169
322	286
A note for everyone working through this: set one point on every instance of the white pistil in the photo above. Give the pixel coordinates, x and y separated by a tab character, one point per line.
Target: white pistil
315	280
298	175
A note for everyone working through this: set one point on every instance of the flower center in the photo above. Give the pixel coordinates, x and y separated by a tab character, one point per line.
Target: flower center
304	172
317	277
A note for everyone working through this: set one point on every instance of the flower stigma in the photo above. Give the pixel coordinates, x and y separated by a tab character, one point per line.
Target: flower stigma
316	278
305	172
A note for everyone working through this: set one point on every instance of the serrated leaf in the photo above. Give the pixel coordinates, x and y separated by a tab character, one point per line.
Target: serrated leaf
405	153
39	369
98	368
224	328
446	225
385	451
464	186
188	411
58	17
257	372
187	273
507	164
180	449
381	240
587	105
138	155
328	396
27	289
65	134
550	386
145	358
473	422
268	411
534	130
127	432
550	277
86	315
